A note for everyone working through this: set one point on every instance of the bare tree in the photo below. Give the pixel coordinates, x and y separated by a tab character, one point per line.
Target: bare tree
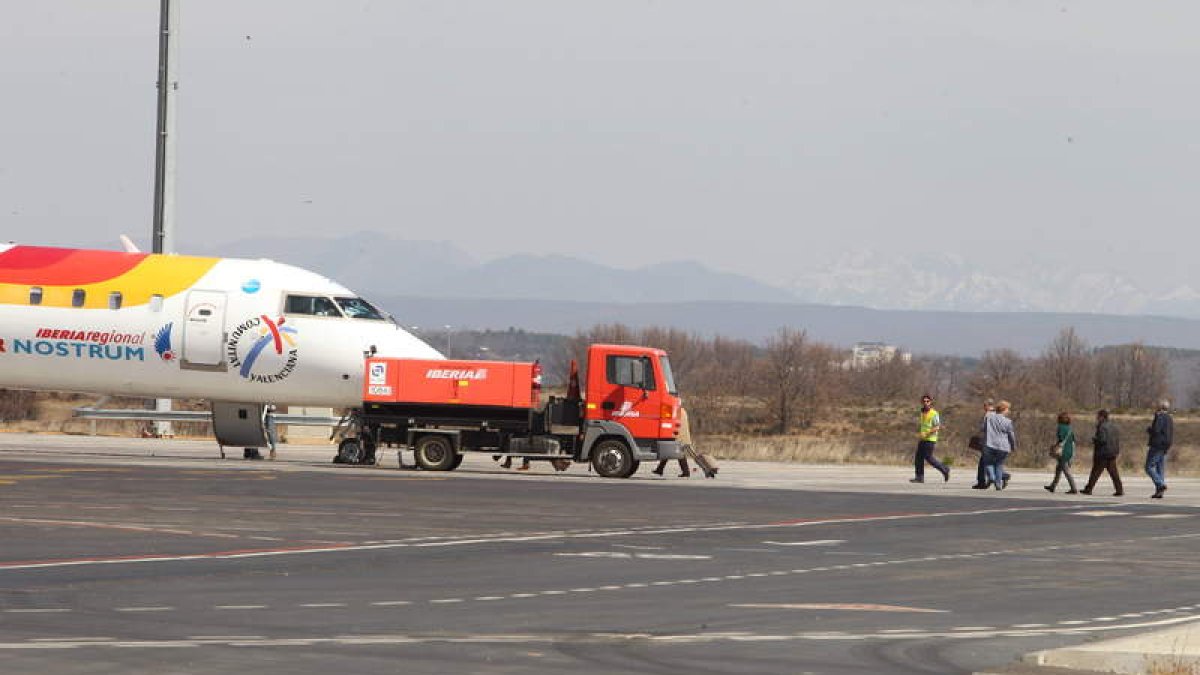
1130	376
797	378
1002	373
1066	365
783	375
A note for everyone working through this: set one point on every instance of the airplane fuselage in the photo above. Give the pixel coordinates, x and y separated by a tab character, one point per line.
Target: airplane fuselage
143	325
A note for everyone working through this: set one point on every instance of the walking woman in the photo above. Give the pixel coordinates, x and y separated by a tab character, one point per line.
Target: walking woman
1106	447
999	440
1066	452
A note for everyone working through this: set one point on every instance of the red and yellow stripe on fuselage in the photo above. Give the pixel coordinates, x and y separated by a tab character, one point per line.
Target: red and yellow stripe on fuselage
59	272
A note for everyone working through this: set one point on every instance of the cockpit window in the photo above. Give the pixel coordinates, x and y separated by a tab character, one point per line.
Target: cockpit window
310	305
357	308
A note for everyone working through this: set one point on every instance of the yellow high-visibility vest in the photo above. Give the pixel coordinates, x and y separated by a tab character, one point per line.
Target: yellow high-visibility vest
929	420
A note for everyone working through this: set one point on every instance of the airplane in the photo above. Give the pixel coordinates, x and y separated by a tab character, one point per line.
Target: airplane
242	334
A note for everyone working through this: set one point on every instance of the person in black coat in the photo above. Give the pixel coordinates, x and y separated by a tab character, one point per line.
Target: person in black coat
1161	432
1106	447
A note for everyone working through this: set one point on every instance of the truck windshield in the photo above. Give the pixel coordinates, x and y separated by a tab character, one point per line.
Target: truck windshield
668	375
357	308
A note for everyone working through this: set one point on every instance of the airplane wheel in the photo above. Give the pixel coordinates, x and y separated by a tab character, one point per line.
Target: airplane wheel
350	451
613	459
435	453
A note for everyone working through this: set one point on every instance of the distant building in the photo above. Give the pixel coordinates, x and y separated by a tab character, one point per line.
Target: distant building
868	354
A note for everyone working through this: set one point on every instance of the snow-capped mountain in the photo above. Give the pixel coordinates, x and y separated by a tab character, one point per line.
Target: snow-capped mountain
950	282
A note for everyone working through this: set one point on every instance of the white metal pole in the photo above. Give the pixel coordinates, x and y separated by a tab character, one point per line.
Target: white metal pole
163	237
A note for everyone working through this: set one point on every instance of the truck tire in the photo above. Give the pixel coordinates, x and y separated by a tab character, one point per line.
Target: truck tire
350	451
613	459
434	452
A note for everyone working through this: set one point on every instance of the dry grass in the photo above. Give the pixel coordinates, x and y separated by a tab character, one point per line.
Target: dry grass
1173	667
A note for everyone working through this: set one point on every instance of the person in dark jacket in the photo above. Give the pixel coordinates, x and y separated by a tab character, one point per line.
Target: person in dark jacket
1161	432
1106	447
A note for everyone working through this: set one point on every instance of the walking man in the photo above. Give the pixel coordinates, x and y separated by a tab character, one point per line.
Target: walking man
1161	432
1106	447
931	424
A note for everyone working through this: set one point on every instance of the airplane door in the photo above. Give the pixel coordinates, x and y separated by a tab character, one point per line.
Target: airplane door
204	329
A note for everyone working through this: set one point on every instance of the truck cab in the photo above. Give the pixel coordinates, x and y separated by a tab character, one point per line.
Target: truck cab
630	397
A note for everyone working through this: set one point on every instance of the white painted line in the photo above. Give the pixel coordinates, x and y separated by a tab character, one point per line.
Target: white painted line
973	628
665	556
1102	514
71	639
226	637
815	542
488	598
47	610
143	609
845	607
1071	623
239	607
523	595
391	603
446	601
323	604
1030	625
1166	516
341	547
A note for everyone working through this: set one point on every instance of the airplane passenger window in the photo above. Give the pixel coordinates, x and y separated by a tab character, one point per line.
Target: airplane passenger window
310	305
357	308
78	297
114	300
156	303
35	295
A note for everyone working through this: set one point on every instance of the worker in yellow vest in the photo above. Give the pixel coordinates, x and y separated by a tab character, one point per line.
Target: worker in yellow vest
927	437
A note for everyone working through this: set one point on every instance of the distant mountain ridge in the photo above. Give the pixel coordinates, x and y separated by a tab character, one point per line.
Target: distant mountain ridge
371	262
948	282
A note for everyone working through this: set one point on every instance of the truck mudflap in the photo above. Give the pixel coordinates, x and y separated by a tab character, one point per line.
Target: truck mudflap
643	450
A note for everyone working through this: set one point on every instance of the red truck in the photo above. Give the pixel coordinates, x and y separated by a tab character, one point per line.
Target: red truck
627	413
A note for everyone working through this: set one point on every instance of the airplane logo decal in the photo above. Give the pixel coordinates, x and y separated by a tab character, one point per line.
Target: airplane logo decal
254	336
162	343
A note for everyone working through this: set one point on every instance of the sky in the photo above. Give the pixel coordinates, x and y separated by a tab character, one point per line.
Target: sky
760	137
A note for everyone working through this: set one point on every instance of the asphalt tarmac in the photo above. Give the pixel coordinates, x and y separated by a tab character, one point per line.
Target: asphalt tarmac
122	556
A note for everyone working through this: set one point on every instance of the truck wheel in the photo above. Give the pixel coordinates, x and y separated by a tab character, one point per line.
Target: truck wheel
613	459
350	451
457	461
435	453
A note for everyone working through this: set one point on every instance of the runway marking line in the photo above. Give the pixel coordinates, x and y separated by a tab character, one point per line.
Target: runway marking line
594	638
847	607
342	547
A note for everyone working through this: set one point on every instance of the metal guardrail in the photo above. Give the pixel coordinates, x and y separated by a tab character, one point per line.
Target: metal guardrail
194	416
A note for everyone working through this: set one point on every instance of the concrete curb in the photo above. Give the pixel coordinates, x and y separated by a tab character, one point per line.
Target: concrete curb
1174	651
